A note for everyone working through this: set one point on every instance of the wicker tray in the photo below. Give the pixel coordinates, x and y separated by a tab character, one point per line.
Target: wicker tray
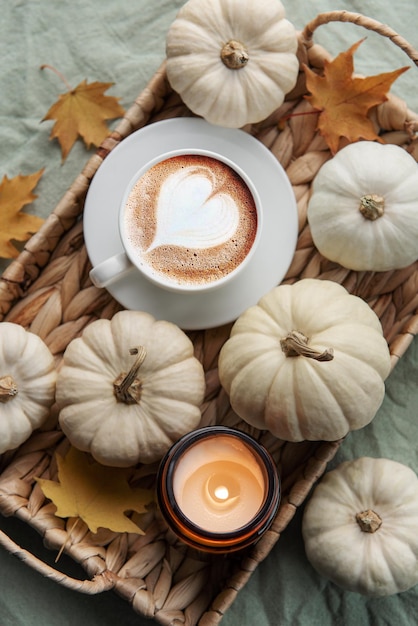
47	290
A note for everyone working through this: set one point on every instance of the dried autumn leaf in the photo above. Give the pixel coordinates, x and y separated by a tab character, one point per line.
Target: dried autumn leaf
97	494
344	100
82	112
15	193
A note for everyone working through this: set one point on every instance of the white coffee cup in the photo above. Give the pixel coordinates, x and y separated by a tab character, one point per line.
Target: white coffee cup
189	221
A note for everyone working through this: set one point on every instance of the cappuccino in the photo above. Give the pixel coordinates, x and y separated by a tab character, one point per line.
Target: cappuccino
190	220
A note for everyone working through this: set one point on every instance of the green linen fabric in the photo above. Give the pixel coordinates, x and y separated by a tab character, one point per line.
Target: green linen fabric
123	42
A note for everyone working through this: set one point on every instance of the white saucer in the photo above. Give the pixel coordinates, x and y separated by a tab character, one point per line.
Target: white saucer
271	259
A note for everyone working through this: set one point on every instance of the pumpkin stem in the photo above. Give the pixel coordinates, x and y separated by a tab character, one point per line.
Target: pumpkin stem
369	521
127	387
372	206
296	344
234	55
8	388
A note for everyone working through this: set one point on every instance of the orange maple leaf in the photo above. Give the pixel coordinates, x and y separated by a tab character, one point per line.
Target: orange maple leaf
344	100
82	112
15	193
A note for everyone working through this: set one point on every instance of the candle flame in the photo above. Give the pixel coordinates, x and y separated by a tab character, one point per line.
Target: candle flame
221	492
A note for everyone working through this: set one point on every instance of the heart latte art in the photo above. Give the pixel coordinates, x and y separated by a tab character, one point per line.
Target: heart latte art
190	218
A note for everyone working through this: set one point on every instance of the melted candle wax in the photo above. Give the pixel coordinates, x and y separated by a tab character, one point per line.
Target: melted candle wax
219	485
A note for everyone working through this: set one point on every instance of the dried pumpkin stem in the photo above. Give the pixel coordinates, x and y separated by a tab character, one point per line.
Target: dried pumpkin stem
369	521
8	388
234	55
127	387
296	344
372	206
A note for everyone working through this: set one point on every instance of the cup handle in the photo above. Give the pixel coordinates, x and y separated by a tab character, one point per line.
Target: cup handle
110	270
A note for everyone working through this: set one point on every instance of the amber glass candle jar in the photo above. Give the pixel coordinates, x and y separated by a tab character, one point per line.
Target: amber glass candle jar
218	489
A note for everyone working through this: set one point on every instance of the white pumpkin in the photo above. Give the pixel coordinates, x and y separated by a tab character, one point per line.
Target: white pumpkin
129	388
363	209
27	384
232	61
308	362
360	526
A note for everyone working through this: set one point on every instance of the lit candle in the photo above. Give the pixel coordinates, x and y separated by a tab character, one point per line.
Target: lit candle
218	489
225	478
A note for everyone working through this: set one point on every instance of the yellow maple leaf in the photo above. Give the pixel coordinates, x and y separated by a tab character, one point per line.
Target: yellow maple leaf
82	112
97	494
344	100
15	193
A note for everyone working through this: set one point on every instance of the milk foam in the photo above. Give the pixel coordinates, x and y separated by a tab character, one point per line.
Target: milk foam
191	218
191	213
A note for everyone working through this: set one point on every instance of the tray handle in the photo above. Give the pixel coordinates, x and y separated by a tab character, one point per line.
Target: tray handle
104	581
360	20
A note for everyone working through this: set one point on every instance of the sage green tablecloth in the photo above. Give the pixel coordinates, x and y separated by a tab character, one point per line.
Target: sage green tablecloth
123	41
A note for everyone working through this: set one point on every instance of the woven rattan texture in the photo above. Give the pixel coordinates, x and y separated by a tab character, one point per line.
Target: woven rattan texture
47	290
